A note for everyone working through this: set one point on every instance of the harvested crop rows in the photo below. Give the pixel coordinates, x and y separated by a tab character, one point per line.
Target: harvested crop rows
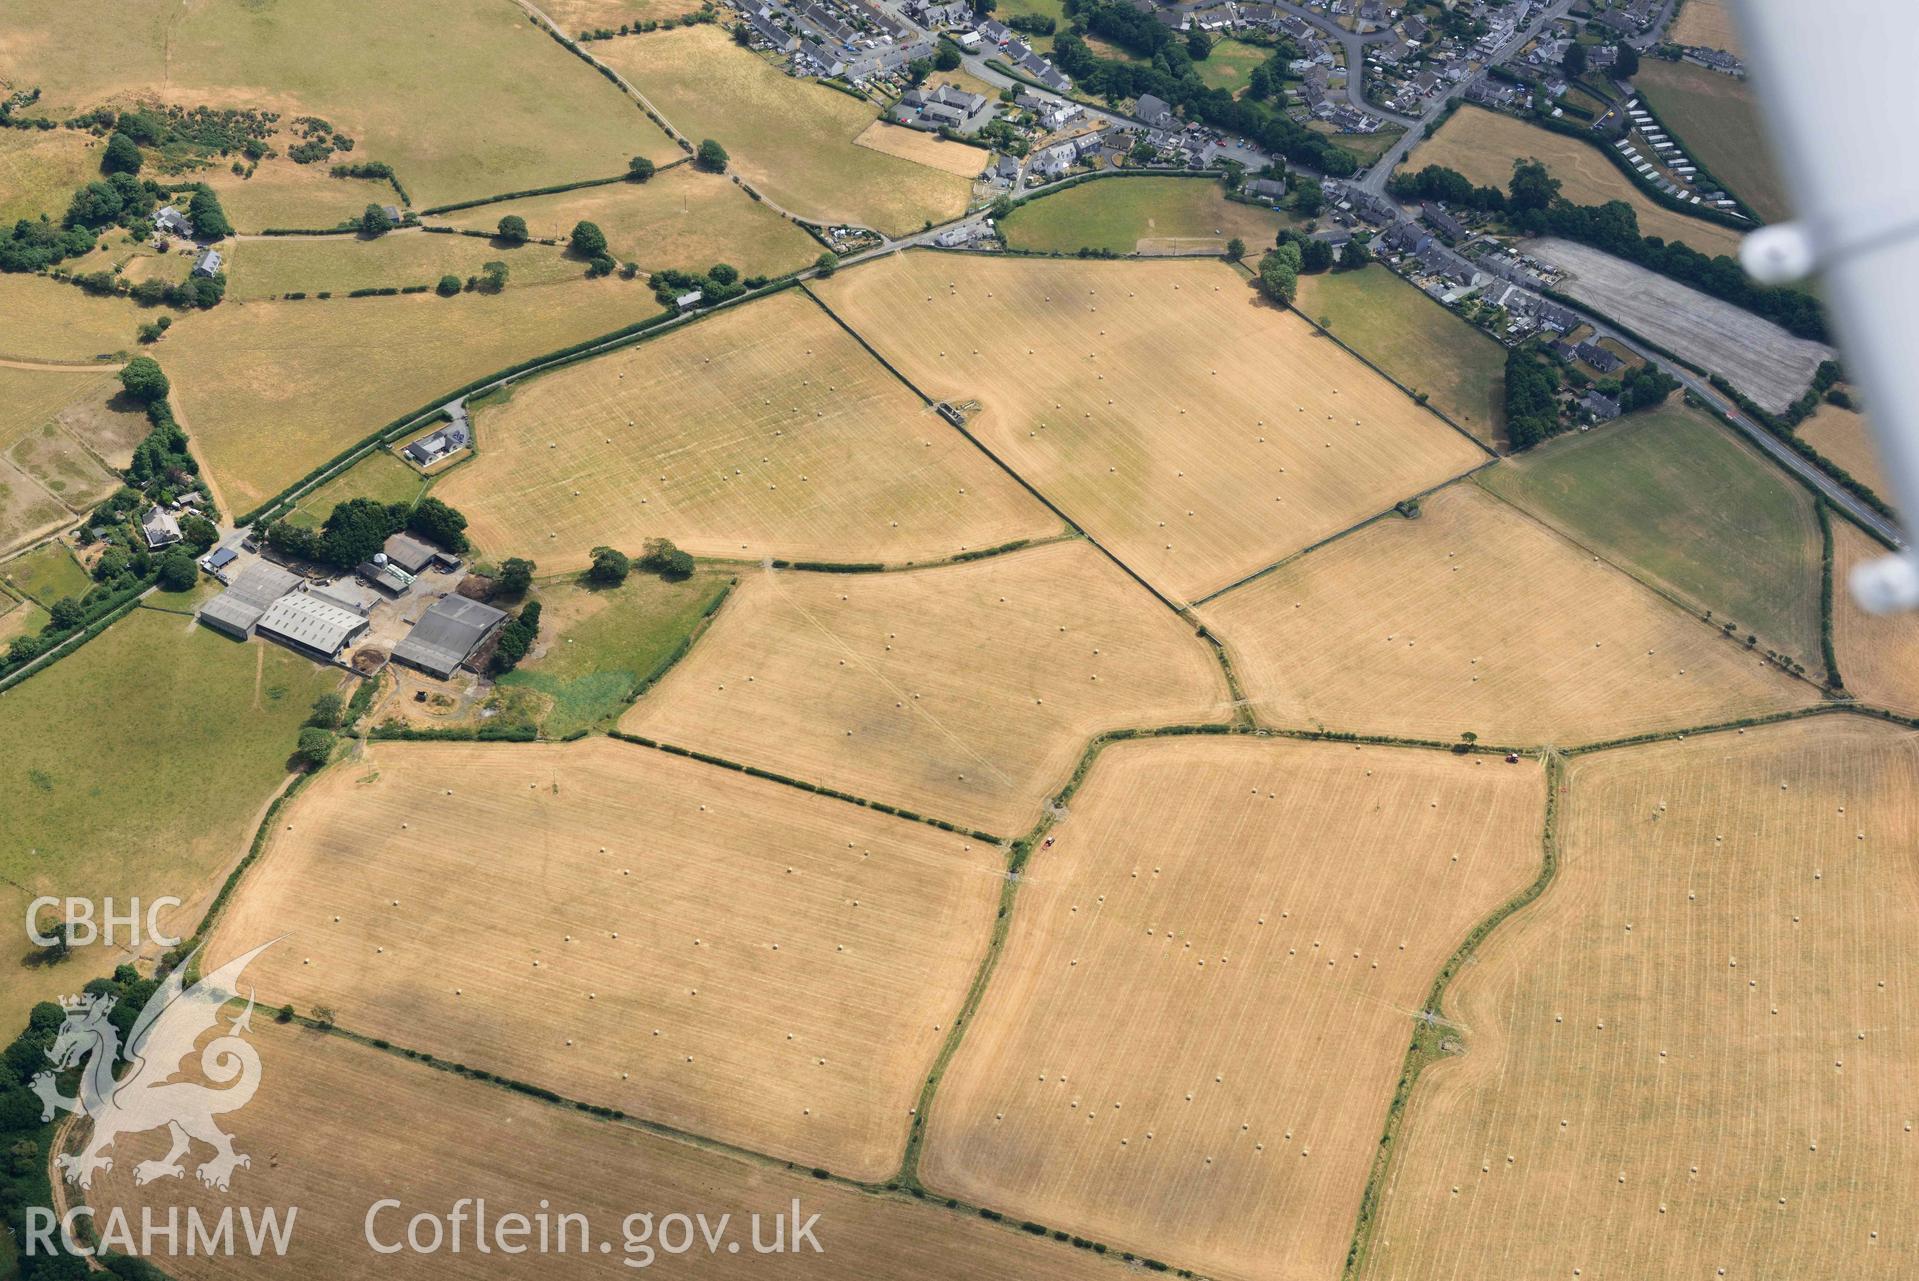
1693	1056
1475	618
1756	356
1189	1044
727	955
270	390
762	431
337	1126
1187	425
964	693
923	148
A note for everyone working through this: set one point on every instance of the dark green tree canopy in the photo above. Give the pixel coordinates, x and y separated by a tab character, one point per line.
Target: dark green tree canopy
144	379
588	240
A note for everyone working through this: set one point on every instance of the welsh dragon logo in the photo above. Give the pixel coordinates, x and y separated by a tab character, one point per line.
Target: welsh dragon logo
146	1098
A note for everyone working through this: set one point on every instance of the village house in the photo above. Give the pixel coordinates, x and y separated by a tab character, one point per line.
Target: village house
160	528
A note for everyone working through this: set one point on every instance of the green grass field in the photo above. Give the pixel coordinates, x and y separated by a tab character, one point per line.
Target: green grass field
792	139
600	644
1675	499
309	264
380	475
138	766
462	99
1415	340
1117	213
1230	64
46	574
1715	119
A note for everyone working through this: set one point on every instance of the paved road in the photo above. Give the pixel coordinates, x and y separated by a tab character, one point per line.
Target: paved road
1375	178
1355	46
1784	454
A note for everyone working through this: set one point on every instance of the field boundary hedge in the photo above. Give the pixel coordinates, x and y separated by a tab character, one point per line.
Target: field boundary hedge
1429	1043
754	771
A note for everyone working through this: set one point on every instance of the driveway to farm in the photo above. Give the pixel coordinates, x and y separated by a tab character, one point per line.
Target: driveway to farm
1375	178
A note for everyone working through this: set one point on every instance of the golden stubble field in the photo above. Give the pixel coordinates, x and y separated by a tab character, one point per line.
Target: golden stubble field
337	1126
681	218
1474	617
717	953
463	100
1189	1044
1844	436
764	430
792	139
966	693
45	319
1693	1056
1191	427
270	390
1878	653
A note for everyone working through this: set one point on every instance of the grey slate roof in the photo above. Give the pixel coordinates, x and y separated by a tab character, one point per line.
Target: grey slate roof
451	629
408	553
238	608
310	623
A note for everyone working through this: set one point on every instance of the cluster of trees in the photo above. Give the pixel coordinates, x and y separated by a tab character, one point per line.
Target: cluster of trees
515	576
1643	387
1437	182
721	282
1532	397
356	529
1296	253
26	1140
661	557
711	157
516	638
589	242
610	567
1167	72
